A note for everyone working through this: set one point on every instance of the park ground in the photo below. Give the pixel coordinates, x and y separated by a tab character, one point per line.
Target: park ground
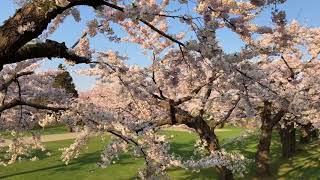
304	165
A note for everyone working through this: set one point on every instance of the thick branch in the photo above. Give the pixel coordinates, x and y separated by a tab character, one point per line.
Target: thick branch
278	116
49	49
17	102
38	16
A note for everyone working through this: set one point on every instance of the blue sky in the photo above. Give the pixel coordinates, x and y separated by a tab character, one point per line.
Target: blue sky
305	11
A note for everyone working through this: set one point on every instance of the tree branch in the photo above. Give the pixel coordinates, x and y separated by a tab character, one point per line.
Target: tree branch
11	40
290	69
128	140
17	102
196	91
35	16
7	83
49	49
226	117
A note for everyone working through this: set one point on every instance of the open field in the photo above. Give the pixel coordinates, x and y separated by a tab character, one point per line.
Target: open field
305	164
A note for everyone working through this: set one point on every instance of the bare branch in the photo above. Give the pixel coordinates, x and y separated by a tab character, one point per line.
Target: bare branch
291	70
148	24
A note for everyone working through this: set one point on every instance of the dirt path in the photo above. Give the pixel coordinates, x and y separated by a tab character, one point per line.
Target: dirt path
48	138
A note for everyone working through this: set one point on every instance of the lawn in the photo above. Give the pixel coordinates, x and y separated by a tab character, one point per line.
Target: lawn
60	129
305	164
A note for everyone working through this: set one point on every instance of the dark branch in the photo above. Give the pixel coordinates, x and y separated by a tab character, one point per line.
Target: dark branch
49	49
17	102
128	141
252	79
290	69
7	83
12	41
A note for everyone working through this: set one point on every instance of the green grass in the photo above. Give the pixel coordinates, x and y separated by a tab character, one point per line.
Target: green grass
305	164
60	129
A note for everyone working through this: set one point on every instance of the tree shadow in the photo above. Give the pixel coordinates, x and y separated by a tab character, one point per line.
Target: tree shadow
92	158
204	174
31	171
184	150
75	165
303	165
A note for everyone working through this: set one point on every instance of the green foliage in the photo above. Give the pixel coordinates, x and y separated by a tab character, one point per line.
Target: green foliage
64	80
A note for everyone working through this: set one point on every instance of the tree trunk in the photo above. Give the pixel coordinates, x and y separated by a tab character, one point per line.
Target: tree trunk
207	134
262	157
224	173
288	139
307	133
222	125
70	129
268	122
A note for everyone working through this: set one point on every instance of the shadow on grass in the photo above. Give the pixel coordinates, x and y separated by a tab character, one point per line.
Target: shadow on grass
80	163
31	171
185	151
87	158
304	165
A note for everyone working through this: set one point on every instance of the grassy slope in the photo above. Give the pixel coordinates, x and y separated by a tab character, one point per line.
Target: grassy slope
305	164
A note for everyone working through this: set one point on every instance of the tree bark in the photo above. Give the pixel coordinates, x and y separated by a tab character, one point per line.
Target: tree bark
308	132
32	13
204	131
38	15
222	125
288	139
262	157
263	152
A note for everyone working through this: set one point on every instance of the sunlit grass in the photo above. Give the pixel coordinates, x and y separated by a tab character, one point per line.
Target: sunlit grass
43	131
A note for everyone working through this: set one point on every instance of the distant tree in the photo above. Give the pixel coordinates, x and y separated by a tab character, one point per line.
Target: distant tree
64	80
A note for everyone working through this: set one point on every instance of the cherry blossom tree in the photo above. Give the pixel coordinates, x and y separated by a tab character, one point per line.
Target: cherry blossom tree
27	97
191	81
170	92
